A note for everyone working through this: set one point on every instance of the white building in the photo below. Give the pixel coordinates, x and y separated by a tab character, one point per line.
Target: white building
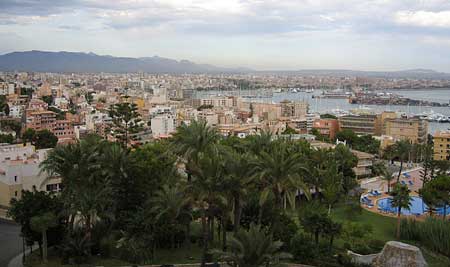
19	170
163	125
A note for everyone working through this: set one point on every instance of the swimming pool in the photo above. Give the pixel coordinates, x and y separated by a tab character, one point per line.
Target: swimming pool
417	207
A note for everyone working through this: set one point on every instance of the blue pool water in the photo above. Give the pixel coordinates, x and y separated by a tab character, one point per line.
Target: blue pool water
417	207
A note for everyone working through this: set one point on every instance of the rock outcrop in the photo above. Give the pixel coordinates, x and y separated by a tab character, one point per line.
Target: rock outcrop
397	254
394	254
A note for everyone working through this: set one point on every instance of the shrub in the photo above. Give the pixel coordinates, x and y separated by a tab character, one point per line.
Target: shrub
302	248
433	233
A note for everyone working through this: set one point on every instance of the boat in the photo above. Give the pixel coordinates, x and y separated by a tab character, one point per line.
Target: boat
309	91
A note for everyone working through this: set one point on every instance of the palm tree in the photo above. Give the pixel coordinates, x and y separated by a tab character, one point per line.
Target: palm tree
279	174
401	150
387	174
86	186
400	200
41	224
170	202
205	192
253	248
193	140
236	181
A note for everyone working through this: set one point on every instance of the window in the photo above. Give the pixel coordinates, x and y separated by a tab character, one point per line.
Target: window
15	178
15	193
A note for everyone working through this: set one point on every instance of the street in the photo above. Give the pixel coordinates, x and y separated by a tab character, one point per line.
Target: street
10	242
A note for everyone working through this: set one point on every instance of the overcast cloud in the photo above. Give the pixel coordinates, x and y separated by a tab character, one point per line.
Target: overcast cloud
262	34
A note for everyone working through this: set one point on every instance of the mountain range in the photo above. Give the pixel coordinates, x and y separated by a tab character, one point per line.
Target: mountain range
43	61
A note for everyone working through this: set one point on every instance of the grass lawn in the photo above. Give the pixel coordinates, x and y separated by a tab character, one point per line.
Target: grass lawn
384	229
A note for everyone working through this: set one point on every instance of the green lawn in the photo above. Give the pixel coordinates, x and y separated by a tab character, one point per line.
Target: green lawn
384	229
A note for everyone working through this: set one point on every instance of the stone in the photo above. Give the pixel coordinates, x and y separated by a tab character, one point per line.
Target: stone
398	254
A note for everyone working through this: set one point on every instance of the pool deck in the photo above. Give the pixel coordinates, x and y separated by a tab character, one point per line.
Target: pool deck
409	177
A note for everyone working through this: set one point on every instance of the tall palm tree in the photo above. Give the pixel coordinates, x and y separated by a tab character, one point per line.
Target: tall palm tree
41	224
86	189
253	248
237	178
401	150
170	203
387	174
278	174
400	200
194	140
205	191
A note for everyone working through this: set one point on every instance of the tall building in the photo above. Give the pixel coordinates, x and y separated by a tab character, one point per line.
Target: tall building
441	145
413	129
361	124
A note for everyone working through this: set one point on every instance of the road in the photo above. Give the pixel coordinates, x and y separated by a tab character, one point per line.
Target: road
10	242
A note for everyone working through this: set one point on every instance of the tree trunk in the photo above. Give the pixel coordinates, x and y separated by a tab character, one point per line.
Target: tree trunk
224	234
205	238
44	246
329	209
445	211
398	223
316	237
237	213
211	229
331	241
188	233
400	171
260	214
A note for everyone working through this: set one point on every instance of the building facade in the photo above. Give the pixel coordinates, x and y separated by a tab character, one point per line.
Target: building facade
441	145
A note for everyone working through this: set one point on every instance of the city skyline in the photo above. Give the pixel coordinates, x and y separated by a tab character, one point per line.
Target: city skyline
262	35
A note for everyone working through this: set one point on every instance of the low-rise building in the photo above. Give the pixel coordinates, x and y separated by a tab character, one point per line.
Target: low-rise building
19	170
327	127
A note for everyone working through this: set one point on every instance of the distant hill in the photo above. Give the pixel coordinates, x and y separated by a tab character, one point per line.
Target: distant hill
413	73
41	61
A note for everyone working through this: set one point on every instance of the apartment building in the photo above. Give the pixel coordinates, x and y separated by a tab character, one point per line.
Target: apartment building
327	127
361	124
413	129
441	145
19	170
163	125
296	109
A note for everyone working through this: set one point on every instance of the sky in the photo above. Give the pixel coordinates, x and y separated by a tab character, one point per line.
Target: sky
259	34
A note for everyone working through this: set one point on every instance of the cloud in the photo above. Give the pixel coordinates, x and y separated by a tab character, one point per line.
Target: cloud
422	18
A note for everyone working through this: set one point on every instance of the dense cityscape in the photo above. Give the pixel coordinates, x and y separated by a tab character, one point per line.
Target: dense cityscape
213	133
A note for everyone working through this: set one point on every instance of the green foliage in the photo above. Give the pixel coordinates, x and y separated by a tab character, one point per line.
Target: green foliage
433	233
40	139
126	120
289	130
202	107
328	116
4	107
436	193
48	99
303	248
356	235
33	204
364	143
253	248
6	138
